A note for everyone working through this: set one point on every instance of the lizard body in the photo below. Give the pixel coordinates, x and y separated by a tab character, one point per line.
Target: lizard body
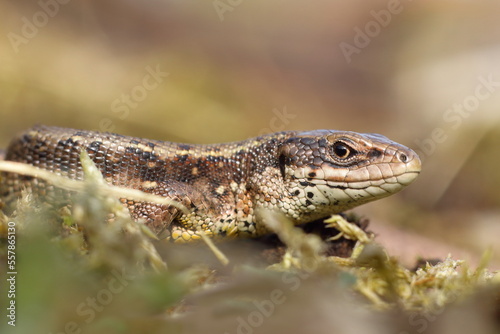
305	175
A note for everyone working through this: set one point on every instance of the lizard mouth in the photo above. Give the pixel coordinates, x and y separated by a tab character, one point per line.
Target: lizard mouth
374	174
378	180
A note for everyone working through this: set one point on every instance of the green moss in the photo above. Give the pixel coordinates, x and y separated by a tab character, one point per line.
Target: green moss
90	274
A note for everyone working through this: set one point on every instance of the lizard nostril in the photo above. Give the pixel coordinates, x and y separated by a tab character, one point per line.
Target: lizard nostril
403	157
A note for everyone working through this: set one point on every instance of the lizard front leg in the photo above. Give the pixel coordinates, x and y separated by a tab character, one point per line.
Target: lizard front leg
169	221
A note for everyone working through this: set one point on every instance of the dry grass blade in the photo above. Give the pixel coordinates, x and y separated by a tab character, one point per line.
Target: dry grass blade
217	252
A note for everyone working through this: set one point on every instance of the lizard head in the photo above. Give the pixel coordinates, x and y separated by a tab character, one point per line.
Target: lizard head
328	171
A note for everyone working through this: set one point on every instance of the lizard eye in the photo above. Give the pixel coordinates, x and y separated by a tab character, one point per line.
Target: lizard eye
341	150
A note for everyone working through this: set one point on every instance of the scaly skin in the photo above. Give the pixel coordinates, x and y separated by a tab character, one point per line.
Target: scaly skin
305	175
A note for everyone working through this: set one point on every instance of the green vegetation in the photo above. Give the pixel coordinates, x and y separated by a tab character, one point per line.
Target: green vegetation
78	271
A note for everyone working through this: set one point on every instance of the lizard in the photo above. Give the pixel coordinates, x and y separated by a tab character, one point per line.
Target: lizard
305	175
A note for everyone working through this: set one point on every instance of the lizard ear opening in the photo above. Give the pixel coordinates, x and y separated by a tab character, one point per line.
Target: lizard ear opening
282	163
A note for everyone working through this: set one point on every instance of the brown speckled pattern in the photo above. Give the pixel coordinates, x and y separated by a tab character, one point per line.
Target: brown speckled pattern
298	173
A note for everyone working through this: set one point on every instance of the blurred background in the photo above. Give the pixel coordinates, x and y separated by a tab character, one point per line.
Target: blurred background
423	73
